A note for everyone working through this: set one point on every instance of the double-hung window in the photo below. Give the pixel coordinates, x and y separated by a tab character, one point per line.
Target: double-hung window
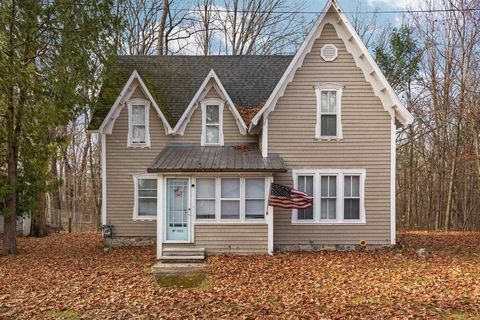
328	197
338	195
254	198
351	197
212	119
230	199
145	206
205	198
138	123
329	124
305	184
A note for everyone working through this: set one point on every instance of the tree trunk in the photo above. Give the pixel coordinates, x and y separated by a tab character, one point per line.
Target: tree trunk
161	29
39	221
10	221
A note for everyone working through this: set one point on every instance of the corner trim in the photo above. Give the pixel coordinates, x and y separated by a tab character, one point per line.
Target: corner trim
393	156
104	179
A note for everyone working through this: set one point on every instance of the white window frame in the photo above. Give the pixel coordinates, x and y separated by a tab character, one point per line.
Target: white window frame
146	104
315	203
265	200
340	173
325	87
218	185
337	200
352	197
212	102
214	198
137	177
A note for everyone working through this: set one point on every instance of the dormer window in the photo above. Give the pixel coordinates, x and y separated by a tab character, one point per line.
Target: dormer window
138	120
212	120
329	124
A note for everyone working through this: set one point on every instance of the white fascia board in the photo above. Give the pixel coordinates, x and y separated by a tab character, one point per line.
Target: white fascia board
179	129
401	112
363	59
107	124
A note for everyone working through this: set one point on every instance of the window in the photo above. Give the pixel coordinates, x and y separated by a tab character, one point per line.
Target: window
305	184
254	198
145	197
351	198
205	198
328	197
338	195
329	124
138	128
230	199
212	115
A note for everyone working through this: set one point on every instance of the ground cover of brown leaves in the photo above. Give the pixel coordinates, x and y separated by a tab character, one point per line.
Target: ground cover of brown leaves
68	276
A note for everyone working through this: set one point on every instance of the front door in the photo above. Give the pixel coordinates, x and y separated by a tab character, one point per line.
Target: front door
178	217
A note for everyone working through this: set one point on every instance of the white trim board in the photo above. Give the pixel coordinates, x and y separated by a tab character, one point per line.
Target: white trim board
103	138
393	156
361	55
127	91
179	128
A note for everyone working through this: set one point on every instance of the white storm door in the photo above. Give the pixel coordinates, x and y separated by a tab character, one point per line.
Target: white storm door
178	210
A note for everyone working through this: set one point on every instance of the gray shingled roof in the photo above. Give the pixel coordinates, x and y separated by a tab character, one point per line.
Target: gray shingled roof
174	80
191	158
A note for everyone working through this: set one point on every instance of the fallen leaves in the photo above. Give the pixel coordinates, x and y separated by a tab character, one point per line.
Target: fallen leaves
70	275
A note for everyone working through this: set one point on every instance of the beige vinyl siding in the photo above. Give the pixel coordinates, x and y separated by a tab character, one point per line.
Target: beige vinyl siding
238	238
366	144
123	163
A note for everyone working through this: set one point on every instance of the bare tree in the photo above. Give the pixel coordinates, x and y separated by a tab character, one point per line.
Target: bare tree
438	171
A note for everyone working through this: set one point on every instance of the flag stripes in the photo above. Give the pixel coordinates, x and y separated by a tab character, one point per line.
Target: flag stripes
288	198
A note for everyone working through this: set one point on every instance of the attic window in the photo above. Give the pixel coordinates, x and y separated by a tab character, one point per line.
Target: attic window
329	105
138	123
329	52
212	122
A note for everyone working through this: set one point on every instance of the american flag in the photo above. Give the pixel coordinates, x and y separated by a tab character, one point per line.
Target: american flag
288	198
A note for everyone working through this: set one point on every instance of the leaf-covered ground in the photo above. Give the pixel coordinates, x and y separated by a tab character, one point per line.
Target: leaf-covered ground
68	276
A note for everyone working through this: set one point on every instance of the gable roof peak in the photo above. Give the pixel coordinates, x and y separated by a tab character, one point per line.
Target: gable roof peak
363	59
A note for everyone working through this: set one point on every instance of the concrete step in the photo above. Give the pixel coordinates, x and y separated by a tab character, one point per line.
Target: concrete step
167	269
170	252
182	259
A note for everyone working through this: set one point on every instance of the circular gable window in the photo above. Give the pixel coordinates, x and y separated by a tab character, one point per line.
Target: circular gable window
329	52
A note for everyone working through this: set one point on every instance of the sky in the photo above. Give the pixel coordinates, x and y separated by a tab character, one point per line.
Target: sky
370	5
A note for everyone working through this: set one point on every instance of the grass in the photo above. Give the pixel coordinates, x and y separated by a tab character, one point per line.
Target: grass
63	315
198	281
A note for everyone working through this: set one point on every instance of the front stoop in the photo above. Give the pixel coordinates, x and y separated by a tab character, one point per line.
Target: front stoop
182	255
183	262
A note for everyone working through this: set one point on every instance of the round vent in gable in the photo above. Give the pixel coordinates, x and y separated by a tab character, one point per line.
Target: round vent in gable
329	52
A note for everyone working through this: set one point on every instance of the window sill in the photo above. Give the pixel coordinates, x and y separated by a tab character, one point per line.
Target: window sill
212	145
224	222
143	145
329	223
145	218
333	139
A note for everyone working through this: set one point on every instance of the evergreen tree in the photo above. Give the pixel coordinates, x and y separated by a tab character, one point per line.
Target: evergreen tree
53	53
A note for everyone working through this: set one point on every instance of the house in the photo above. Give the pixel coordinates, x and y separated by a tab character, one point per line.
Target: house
23	225
183	167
